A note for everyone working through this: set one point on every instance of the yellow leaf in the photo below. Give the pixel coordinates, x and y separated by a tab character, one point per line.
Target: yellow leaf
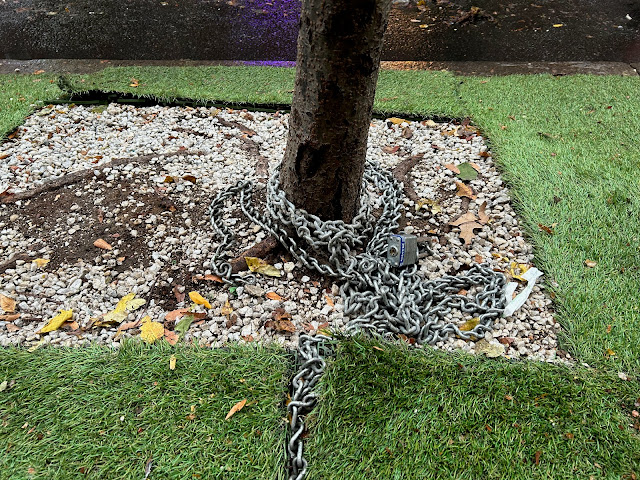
126	304
236	408
435	206
226	310
151	331
199	299
57	321
172	362
397	121
611	353
7	304
464	191
557	25
522	267
590	263
257	265
41	262
469	324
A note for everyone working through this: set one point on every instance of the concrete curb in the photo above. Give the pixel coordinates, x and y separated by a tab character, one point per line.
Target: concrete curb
81	66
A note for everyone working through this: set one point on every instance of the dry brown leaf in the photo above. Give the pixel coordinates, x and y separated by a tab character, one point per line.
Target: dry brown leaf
7	304
236	408
128	325
467	217
464	191
189	178
12	328
72	325
466	231
547	229
482	213
453	168
179	296
475	166
273	296
281	321
390	149
176	314
208	277
397	121
100	243
407	132
170	337
590	263
329	301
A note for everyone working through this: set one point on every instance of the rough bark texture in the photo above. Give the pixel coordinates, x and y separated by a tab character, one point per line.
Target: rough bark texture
339	46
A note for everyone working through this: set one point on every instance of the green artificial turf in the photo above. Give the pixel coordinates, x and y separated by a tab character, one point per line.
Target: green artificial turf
97	414
389	412
17	96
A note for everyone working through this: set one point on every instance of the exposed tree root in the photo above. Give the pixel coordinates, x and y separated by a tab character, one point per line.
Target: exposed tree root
260	250
401	174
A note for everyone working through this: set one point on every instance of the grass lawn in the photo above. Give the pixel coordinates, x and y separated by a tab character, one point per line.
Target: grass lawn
399	414
93	413
570	150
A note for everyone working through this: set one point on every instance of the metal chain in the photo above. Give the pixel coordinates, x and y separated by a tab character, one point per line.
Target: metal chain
378	298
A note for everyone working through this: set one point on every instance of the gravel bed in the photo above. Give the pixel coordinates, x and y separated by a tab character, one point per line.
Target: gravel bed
151	174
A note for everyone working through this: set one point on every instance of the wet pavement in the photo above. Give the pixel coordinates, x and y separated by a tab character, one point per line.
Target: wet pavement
265	31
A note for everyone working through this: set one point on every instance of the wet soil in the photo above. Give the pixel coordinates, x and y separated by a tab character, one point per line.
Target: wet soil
261	31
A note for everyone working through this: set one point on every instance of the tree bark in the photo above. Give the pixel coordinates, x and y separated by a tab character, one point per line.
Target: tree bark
338	59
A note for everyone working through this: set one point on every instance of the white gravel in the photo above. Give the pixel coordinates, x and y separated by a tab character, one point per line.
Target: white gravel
156	251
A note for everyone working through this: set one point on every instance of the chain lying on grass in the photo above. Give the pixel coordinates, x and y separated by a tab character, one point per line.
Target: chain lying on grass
378	298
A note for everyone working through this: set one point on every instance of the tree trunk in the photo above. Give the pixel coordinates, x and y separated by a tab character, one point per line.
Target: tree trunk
339	47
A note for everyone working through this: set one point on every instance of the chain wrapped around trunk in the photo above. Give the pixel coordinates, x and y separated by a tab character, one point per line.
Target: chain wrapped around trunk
377	298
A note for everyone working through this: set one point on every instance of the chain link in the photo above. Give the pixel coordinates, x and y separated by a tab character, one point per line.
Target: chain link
377	298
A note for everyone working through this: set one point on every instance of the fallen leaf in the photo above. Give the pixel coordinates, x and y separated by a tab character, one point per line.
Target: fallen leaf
273	296
435	206
452	167
38	72
183	325
226	310
128	326
609	328
635	414
397	121
558	25
281	321
466	231
12	328
611	353
170	337
391	149
491	350
569	436
126	304
175	314
590	263
199	299
536	458
257	265
41	262
485	154
208	277
467	172
464	191
179	295
623	376
546	229
100	243
147	468
7	304
407	132
467	217
482	214
56	322
469	324
169	179
329	301
172	362
430	124
189	178
378	348
236	408
518	266
134	83
151	331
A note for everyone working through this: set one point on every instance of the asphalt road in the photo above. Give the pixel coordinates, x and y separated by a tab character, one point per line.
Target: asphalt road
254	30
